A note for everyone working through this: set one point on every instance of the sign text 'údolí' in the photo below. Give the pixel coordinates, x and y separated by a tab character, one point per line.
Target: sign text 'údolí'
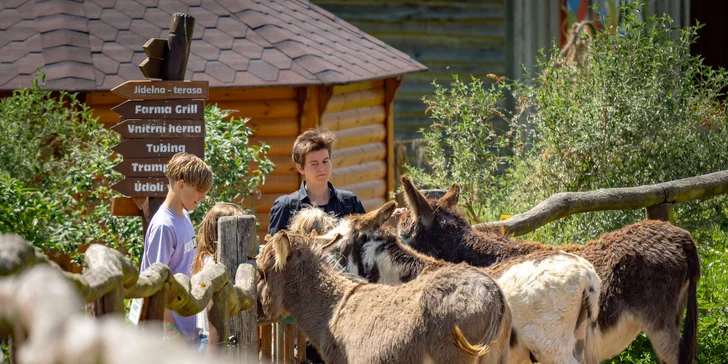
143	187
161	109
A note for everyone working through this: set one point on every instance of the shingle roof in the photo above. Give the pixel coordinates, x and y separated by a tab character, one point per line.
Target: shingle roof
97	44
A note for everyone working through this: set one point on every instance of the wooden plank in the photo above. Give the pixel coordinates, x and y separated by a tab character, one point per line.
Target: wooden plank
373	204
359	173
98	98
105	116
280	146
355	100
159	148
262	203
252	94
359	86
266	343
345	157
274	127
359	136
289	342
354	118
285	183
264	220
310	113
143	167
162	90
237	245
279	341
301	347
160	128
263	109
391	85
283	165
124	206
147	187
161	109
368	190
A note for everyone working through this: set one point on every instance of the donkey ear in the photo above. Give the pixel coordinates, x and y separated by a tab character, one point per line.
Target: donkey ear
451	197
421	208
281	247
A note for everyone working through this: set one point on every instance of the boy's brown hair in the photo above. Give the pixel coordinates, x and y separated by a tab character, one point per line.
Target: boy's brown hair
312	140
207	235
191	169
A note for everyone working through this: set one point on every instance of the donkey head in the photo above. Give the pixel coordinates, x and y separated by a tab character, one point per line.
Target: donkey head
428	220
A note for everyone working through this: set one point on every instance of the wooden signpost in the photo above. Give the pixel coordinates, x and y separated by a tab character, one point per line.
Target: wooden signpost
161	118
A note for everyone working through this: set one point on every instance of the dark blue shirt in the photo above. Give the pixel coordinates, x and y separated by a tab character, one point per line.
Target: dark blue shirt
341	203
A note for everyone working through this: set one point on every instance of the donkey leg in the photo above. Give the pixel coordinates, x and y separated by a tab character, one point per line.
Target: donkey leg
666	343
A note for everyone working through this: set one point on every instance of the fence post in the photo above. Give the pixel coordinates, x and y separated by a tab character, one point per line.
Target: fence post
661	212
238	245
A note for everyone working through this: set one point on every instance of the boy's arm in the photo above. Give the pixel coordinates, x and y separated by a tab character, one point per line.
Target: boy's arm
279	214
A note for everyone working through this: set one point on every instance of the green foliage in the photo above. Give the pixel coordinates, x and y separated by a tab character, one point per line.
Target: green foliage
56	169
642	110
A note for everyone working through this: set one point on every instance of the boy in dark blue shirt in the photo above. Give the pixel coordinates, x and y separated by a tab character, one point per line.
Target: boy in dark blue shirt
312	156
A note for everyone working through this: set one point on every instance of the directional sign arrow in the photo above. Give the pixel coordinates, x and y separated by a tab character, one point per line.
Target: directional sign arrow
161	109
159	148
161	90
143	187
143	167
155	48
160	128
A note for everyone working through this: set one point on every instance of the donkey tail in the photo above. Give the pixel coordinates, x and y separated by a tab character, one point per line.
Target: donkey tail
465	346
689	341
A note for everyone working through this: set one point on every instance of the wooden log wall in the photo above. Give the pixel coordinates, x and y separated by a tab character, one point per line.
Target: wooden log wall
358	115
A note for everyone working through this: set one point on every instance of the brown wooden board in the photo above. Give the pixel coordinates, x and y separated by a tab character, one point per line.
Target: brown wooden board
154	47
143	187
162	90
151	67
161	109
160	128
143	167
158	148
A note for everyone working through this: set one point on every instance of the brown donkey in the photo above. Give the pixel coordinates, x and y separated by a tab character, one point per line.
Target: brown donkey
649	272
424	321
550	296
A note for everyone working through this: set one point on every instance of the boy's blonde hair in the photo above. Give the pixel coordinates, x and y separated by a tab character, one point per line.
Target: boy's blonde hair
312	140
207	235
191	169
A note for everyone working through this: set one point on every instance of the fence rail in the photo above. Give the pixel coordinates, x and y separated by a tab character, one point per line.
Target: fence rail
657	199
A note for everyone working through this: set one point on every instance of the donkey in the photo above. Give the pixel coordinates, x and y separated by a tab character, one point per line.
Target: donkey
550	296
426	320
649	272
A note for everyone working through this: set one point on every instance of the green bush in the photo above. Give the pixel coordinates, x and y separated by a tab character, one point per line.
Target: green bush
642	110
56	169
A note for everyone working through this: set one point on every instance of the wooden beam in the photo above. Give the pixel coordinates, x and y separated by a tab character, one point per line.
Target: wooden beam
354	118
124	206
262	203
565	204
252	94
280	146
368	190
359	173
359	86
373	203
280	184
283	165
261	109
345	157
359	136
274	127
355	100
391	86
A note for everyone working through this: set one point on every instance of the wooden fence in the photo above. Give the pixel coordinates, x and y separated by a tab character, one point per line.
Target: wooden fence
657	199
